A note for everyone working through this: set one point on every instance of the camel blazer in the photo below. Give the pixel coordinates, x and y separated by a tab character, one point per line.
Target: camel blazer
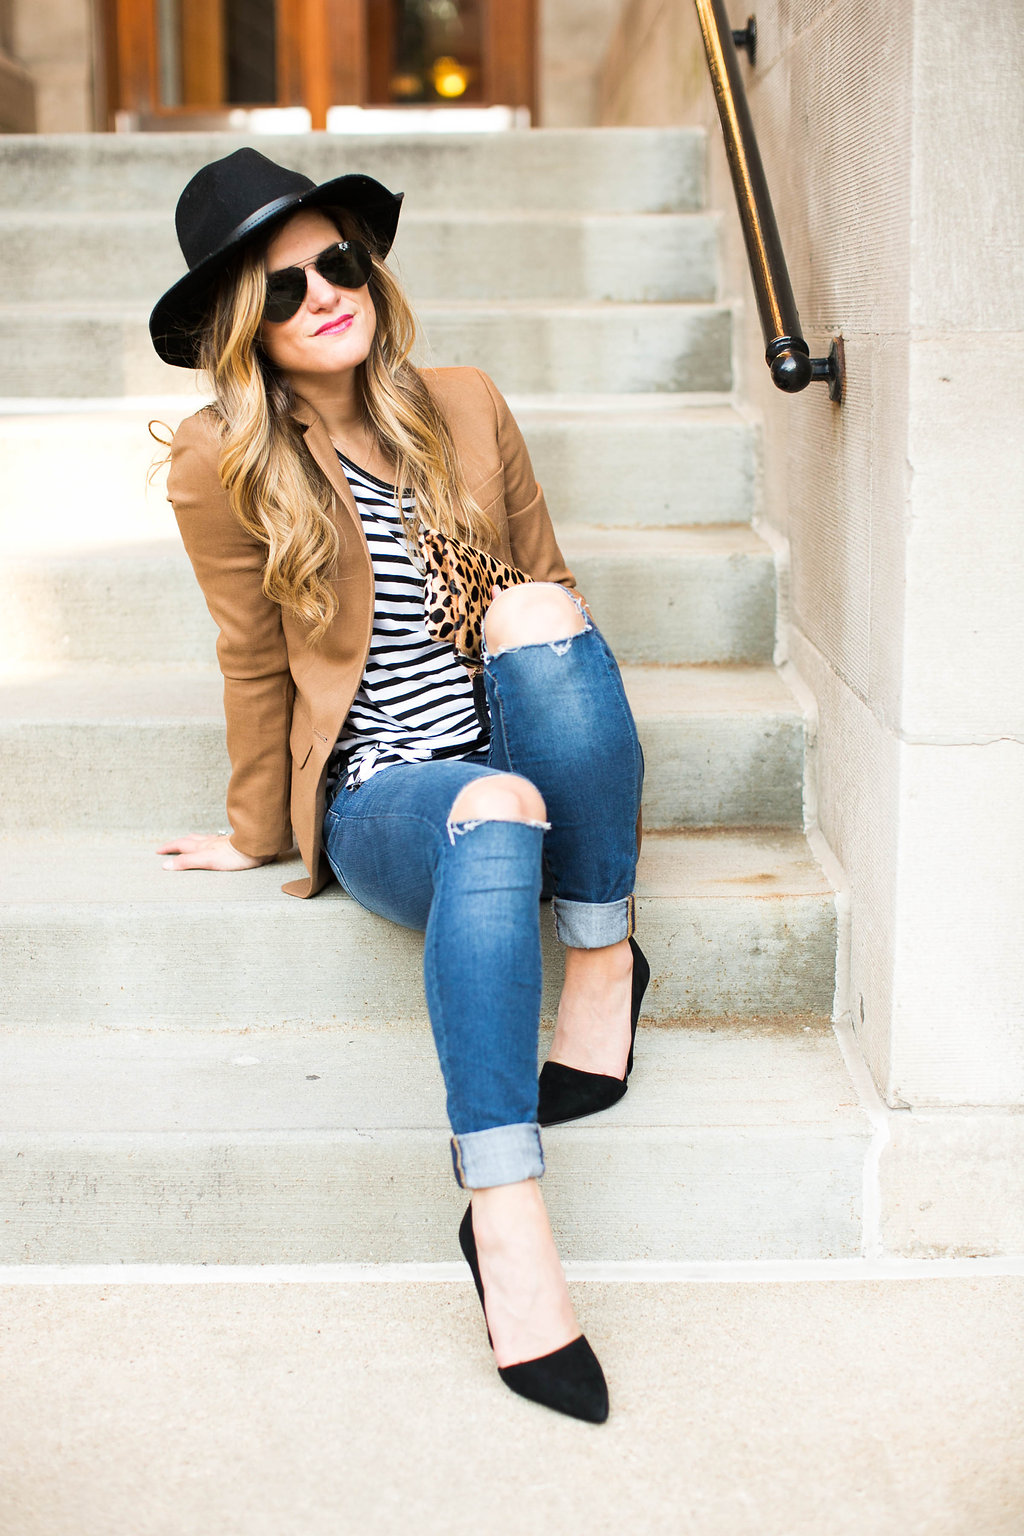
284	700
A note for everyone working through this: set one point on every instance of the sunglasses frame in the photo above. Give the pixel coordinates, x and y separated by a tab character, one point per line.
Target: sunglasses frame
353	250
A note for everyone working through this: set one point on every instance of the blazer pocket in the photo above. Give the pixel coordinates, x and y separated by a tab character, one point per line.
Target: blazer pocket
490	489
300	739
300	756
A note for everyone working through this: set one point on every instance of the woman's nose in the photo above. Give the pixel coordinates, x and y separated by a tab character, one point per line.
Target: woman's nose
320	294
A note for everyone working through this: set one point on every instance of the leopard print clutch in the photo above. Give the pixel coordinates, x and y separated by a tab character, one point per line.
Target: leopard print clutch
457	591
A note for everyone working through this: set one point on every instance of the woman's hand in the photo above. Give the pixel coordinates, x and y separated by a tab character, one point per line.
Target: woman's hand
207	850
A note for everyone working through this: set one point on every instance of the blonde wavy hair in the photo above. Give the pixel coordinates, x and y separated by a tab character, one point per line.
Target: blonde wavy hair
276	488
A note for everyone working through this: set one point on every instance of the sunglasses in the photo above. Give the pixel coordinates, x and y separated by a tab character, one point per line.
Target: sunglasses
345	265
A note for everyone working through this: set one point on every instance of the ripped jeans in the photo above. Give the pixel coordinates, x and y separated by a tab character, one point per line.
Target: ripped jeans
559	717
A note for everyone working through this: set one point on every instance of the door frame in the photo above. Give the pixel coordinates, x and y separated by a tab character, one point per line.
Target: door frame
322	60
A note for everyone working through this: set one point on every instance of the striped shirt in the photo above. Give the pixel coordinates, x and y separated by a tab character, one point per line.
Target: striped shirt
415	700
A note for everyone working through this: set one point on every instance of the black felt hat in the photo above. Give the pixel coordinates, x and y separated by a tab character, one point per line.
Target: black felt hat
229	203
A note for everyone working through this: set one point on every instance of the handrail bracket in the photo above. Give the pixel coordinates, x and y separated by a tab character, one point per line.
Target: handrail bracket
792	367
746	37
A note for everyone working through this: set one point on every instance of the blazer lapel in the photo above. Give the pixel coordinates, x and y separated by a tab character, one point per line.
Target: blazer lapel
323	450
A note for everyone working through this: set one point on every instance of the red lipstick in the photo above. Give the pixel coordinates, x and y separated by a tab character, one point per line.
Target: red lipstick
340	322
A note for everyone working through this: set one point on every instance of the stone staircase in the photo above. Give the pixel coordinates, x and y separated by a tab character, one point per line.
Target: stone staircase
200	1069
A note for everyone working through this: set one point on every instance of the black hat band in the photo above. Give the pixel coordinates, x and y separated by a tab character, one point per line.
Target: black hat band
266	212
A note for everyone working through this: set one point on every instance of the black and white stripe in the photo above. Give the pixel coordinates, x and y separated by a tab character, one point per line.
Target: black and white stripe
415	700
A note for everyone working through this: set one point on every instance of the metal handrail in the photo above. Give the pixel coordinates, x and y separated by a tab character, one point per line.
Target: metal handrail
786	352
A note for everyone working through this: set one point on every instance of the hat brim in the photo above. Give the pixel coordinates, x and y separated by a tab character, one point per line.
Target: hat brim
177	319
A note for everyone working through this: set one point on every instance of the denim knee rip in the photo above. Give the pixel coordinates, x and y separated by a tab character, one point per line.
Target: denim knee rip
505	1154
460	828
560	647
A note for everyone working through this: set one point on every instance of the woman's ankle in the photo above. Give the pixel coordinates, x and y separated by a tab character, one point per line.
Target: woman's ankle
592	1033
593	966
526	1298
499	1210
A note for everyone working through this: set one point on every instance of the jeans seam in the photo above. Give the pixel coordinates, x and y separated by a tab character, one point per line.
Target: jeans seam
498	721
460	1172
439	1031
612	671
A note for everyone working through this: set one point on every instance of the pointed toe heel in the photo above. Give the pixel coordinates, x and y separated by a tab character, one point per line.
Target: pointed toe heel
566	1093
569	1380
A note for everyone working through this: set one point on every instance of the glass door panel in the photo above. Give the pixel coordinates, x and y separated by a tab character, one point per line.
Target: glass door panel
426	52
214	53
251	27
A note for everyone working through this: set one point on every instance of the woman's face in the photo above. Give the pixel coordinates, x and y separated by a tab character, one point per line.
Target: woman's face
332	331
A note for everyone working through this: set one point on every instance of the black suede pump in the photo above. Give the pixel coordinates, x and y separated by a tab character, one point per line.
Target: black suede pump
569	1380
566	1093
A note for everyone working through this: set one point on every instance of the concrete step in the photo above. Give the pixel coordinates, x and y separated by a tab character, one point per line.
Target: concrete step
618	459
734	1141
675	595
105	350
659	460
145	751
338	1401
446	256
95	931
585	348
610	170
671	595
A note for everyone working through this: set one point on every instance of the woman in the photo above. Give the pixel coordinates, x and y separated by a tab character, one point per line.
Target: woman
434	802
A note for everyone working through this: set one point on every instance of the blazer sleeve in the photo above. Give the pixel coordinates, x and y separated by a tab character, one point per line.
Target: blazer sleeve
251	649
531	537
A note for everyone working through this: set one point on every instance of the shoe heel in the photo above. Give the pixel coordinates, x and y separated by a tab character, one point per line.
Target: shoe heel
467	1242
641	979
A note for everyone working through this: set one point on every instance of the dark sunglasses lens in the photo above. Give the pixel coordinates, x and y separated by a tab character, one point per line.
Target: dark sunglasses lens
347	265
285	292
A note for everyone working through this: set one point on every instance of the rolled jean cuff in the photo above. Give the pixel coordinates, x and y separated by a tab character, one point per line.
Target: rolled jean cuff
506	1154
593	924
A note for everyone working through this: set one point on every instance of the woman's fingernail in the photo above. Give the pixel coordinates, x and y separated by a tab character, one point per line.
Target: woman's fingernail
168	863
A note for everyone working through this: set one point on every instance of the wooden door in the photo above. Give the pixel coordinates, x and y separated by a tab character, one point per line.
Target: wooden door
451	53
189	62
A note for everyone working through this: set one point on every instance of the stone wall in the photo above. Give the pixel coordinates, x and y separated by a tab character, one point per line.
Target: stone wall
573	39
889	135
653	72
17	90
53	42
